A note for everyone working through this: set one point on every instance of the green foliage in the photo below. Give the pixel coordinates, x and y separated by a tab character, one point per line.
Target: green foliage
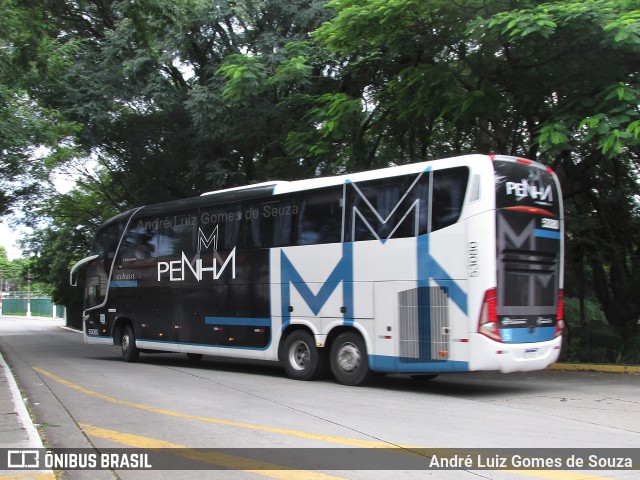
74	218
13	273
33	137
245	77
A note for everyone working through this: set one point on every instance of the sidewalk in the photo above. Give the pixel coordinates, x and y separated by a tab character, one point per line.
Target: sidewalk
17	431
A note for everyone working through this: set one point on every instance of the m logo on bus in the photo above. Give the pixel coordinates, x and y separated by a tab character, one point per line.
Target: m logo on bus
206	242
383	226
179	270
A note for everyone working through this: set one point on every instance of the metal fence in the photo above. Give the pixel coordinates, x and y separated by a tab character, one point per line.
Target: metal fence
36	306
588	338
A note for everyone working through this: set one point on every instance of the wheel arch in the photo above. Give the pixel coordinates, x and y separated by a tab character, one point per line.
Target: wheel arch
339	329
118	328
288	331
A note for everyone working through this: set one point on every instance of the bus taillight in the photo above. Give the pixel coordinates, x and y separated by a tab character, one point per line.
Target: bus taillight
488	322
559	314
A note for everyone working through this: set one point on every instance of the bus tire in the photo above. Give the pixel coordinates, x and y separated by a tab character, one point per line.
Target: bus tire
301	358
349	360
130	352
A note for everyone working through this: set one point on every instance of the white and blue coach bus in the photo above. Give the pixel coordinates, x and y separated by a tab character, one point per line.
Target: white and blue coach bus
445	266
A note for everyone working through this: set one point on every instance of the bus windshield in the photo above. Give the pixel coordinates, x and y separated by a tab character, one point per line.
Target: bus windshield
520	185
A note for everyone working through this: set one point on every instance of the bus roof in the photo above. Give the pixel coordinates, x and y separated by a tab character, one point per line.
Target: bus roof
299	185
255	186
267	189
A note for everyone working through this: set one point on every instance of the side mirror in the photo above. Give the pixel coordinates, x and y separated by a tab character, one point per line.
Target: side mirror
73	278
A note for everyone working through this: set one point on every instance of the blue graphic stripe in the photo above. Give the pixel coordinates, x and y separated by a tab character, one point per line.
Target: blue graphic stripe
547	234
124	284
384	363
343	272
430	269
239	321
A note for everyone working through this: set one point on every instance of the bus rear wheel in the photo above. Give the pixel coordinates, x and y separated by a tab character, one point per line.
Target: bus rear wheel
349	361
302	359
130	352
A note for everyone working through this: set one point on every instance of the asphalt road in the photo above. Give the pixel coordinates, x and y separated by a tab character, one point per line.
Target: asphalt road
84	396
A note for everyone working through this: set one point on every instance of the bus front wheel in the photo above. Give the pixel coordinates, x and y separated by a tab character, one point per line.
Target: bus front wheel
349	361
302	359
130	352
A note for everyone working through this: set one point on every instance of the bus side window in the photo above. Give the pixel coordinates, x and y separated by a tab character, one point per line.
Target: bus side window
140	242
97	276
176	234
320	218
394	207
219	227
93	296
106	243
449	188
270	224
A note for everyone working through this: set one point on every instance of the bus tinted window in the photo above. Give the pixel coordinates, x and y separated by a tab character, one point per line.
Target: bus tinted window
519	184
449	187
97	276
389	208
141	241
320	218
270	223
106	243
176	234
220	227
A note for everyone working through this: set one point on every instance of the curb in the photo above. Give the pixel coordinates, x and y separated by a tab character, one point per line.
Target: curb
33	437
594	367
21	422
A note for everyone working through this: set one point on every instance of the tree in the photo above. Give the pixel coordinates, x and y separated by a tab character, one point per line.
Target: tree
587	120
144	87
71	220
554	81
33	138
140	79
12	272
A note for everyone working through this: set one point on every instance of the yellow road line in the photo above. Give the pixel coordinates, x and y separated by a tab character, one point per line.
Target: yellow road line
224	460
545	474
282	431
